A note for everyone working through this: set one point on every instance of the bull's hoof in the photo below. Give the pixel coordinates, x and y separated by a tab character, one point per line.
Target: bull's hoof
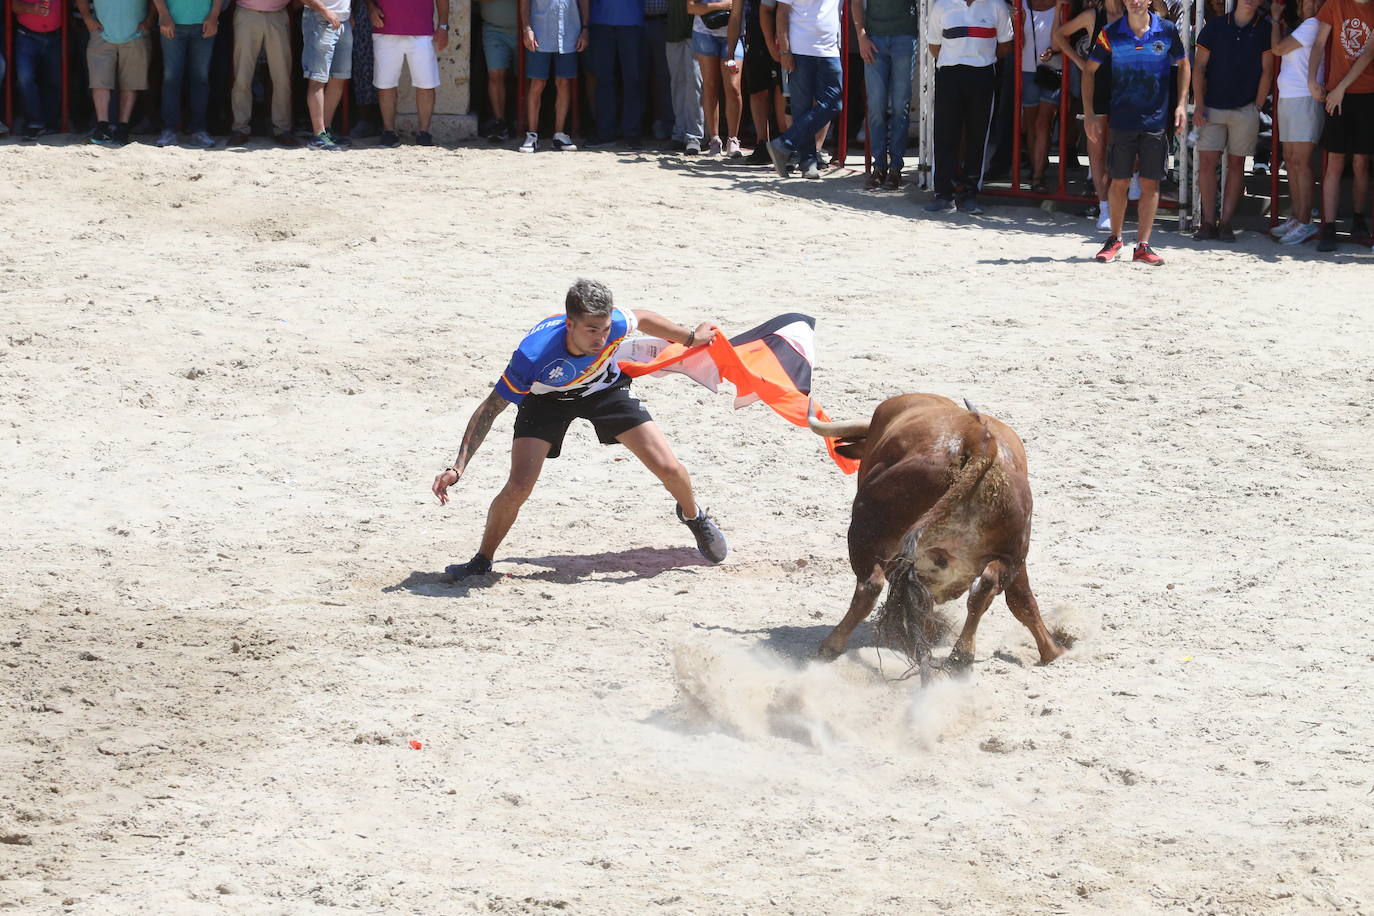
828	653
1046	658
959	662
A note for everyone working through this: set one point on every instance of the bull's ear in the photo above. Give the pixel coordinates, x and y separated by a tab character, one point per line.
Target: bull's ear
851	448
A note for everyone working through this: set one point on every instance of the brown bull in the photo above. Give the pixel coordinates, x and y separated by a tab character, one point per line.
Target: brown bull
943	507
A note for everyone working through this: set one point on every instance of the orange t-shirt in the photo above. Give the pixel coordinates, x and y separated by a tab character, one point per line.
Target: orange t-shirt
1352	25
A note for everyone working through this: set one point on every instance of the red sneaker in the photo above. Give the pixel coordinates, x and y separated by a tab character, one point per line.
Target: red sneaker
1109	250
1145	254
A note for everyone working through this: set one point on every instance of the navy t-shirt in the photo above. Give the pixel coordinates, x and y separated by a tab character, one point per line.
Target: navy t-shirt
1141	69
1236	60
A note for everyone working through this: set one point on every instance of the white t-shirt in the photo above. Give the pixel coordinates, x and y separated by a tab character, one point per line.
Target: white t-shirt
1041	40
968	34
340	8
814	27
1293	65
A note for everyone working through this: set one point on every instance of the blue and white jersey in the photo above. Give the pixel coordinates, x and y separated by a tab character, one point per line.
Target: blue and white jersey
543	365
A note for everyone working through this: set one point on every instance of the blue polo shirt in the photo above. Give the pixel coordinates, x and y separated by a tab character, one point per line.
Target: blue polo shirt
1236	60
617	12
1141	70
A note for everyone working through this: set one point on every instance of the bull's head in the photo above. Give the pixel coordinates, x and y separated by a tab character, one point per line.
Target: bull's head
851	435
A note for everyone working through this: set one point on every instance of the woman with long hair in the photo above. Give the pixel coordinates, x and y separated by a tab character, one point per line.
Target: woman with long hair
720	66
1075	39
1041	66
1300	118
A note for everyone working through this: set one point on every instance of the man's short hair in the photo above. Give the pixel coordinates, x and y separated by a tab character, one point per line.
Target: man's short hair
588	298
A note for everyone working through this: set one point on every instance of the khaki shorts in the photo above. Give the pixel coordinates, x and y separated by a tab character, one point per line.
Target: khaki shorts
1231	129
118	66
1301	120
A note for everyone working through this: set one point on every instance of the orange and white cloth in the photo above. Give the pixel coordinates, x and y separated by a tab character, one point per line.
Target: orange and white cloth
769	363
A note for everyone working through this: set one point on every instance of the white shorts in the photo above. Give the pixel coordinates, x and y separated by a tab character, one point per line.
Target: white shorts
389	51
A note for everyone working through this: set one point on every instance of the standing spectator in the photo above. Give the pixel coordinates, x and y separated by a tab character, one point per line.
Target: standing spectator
808	34
327	59
1041	79
1231	74
1300	119
498	46
617	38
188	40
762	75
1349	96
655	67
1142	50
555	31
685	78
116	58
1090	22
38	64
965	38
410	32
262	25
719	54
887	44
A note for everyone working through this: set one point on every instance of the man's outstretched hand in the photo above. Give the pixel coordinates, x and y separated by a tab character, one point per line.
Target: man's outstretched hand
447	478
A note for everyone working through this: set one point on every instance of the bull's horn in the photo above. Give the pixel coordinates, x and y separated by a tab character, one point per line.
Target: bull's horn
848	429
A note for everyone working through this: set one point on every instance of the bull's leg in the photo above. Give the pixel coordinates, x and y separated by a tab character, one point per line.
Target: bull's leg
1024	608
866	592
986	587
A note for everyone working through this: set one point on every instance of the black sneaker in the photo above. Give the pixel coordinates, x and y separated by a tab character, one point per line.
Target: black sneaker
502	133
759	156
102	134
710	539
424	138
1326	239
1359	227
389	139
338	140
119	133
479	565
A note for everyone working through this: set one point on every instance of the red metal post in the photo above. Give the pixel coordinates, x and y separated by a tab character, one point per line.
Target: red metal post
1063	118
66	82
842	142
1017	43
9	65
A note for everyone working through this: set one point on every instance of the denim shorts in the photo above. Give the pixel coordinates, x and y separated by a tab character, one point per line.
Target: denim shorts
499	47
325	53
539	63
708	45
1032	95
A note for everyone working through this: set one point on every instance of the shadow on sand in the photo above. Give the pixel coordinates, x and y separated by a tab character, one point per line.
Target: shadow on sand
620	567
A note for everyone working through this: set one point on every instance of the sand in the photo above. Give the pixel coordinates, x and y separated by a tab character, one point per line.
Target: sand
227	381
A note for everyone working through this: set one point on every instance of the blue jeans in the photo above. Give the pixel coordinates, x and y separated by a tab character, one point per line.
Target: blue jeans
888	81
816	86
609	44
38	71
187	56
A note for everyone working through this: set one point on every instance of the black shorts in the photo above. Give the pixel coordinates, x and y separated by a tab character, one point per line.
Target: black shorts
1150	147
1350	132
611	412
761	72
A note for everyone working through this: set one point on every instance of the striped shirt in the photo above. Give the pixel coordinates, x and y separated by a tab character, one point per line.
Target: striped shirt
968	33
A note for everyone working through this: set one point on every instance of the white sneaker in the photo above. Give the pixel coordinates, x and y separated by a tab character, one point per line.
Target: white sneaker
715	146
693	148
562	141
531	144
1283	228
732	150
203	140
1104	216
166	138
1300	233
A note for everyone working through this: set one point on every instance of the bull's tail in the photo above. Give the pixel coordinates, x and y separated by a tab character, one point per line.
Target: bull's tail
906	621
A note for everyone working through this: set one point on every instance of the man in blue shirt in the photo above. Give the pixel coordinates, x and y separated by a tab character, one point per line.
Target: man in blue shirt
1231	76
1141	49
566	369
617	42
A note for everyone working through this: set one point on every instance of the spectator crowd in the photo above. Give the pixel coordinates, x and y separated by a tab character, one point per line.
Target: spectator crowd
1115	75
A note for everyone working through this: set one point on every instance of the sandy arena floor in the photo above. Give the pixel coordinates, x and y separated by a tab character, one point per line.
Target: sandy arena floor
227	380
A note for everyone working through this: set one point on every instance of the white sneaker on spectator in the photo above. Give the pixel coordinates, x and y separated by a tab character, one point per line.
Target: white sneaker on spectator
531	144
1104	216
1300	233
203	140
715	146
562	141
1282	228
1134	192
166	138
732	150
693	148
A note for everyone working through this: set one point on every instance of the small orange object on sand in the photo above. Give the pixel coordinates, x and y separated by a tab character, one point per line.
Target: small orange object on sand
416	744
